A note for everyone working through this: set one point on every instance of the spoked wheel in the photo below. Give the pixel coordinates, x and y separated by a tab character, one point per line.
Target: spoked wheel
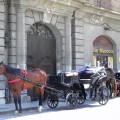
71	100
80	98
102	95
52	100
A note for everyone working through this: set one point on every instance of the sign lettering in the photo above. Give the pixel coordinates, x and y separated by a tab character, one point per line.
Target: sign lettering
101	50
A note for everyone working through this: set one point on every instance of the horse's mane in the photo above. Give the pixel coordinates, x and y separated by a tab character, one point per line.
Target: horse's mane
12	70
109	69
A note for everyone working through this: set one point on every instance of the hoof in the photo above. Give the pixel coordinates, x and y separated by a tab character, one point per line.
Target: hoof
16	112
40	108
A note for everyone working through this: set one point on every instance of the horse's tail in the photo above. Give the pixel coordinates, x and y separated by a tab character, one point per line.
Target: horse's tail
115	88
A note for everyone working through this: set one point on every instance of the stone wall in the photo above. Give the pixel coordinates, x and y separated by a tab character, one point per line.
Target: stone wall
3	88
2	30
12	36
78	43
2	50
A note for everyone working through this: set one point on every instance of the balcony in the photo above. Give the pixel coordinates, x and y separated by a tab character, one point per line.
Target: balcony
110	5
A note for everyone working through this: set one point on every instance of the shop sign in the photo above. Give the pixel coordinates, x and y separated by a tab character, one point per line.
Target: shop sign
101	50
102	41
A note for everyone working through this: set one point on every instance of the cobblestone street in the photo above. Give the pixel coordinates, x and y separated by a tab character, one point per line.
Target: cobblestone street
89	110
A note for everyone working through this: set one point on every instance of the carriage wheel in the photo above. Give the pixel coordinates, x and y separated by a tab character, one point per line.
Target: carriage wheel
52	100
71	100
102	95
80	98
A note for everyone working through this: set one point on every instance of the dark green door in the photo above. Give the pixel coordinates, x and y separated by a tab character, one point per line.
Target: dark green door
41	50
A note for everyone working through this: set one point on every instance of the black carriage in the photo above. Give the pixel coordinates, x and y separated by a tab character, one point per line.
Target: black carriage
96	79
65	87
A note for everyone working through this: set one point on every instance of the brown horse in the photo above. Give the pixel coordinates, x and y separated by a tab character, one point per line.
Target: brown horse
111	83
17	82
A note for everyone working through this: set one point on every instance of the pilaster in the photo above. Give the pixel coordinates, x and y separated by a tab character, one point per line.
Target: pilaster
20	36
68	44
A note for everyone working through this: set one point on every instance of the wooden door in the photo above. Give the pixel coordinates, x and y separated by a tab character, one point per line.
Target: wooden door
41	50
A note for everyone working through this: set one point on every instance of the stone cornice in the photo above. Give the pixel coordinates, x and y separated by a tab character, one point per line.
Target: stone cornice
55	6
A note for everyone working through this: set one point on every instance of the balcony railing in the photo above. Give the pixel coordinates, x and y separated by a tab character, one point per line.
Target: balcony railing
111	5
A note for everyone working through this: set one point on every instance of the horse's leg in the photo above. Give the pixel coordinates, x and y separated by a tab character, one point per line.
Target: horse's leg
41	94
16	103
108	85
19	102
14	93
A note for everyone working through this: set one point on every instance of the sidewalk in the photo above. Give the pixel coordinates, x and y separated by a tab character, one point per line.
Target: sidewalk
10	108
6	108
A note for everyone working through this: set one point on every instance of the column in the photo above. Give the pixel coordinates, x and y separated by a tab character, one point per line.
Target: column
68	44
21	43
20	37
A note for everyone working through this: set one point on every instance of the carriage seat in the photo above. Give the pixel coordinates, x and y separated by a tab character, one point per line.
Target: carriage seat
54	80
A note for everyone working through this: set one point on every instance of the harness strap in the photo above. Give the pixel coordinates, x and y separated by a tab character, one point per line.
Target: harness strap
17	80
13	81
24	72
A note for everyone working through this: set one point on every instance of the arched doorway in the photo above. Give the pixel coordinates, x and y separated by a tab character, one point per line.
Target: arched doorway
41	51
41	48
103	52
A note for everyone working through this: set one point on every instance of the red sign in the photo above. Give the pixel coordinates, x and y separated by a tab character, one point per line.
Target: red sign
102	41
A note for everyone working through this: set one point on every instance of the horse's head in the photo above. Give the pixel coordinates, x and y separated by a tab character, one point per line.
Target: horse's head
110	72
2	68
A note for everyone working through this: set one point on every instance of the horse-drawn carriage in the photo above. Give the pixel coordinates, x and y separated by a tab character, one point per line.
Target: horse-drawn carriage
65	87
70	87
96	79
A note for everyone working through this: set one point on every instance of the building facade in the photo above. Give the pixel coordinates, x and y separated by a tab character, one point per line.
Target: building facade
59	35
